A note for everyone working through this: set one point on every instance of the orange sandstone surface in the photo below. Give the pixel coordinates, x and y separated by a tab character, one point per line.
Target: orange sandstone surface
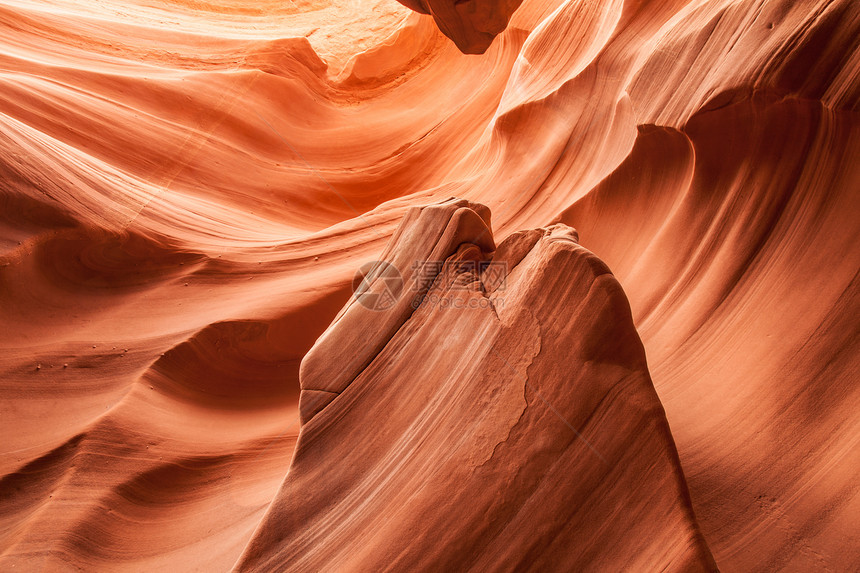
189	383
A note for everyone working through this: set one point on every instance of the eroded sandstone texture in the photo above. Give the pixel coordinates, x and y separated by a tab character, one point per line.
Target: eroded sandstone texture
188	187
506	423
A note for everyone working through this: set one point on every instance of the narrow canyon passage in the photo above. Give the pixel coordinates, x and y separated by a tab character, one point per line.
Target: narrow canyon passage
187	190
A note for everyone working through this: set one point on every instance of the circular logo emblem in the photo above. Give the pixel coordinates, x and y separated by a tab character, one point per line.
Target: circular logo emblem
377	285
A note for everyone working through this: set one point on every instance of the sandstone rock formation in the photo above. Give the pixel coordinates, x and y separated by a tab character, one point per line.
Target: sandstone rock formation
471	24
506	423
187	189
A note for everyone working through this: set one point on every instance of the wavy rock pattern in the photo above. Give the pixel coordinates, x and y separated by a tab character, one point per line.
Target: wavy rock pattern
186	189
470	466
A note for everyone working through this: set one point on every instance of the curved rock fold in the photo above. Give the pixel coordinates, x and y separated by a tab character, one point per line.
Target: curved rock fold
191	190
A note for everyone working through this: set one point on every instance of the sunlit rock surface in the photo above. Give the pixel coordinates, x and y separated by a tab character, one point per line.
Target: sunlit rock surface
187	189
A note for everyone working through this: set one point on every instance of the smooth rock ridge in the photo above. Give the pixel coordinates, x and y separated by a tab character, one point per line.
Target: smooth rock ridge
507	422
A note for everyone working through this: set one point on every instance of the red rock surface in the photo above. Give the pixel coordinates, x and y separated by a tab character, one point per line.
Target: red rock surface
186	189
471	24
514	425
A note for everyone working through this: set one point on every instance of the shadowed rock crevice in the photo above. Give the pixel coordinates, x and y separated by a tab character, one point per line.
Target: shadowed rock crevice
471	24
